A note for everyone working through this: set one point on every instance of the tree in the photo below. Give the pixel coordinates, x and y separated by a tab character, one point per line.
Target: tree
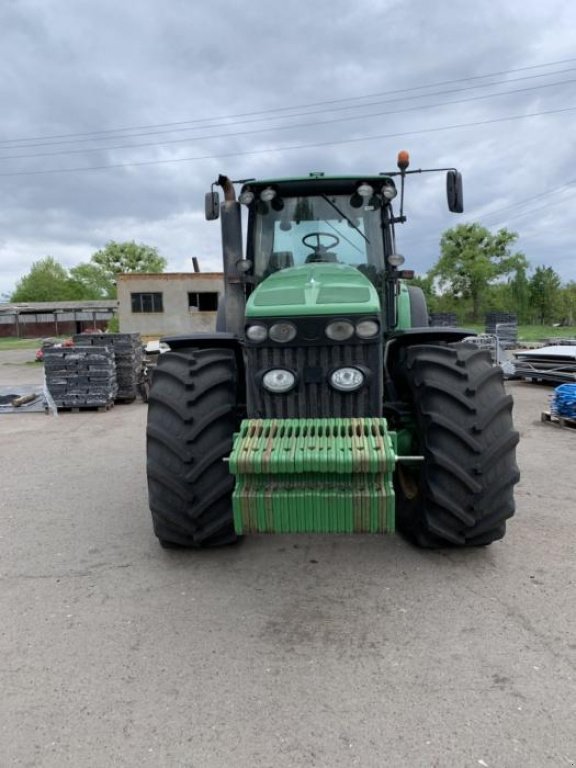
472	258
116	258
544	288
99	274
519	287
47	281
568	302
95	282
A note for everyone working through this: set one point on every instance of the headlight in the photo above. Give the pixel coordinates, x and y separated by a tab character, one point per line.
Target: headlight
278	380
282	332
340	330
347	379
366	329
257	333
389	191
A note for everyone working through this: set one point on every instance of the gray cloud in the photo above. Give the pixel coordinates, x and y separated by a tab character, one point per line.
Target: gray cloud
84	68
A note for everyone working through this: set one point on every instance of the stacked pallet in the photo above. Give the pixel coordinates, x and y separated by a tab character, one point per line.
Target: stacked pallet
80	377
503	325
443	319
128	355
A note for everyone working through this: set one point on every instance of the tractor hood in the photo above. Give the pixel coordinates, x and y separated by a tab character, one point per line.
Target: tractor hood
314	289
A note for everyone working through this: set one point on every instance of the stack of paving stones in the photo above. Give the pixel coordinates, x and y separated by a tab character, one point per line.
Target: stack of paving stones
505	326
81	376
443	319
128	355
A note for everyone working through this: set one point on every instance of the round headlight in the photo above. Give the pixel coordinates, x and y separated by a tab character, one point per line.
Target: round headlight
365	190
347	379
257	333
389	191
340	330
246	197
396	259
278	380
267	194
366	329
282	332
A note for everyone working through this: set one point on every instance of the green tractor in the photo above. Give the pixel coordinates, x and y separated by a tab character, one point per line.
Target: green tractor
324	402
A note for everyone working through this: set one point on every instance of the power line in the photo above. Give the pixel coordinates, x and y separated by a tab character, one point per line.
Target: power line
268	150
331	121
202	123
295	107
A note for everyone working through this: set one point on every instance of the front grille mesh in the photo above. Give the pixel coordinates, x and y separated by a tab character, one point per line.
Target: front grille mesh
313	398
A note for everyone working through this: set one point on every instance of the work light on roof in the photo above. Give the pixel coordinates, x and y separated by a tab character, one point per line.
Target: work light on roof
267	194
246	197
365	190
389	191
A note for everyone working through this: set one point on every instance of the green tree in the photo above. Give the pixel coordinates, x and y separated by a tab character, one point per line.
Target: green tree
114	259
47	281
545	294
95	282
568	302
519	291
472	258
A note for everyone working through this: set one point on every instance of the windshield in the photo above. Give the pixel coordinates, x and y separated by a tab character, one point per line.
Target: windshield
326	228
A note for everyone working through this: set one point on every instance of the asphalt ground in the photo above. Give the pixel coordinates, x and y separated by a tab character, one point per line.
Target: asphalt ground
283	651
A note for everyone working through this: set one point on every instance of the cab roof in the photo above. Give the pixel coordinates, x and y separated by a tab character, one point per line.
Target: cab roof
318	183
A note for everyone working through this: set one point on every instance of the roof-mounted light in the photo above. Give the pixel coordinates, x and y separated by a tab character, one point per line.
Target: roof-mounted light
267	194
365	190
403	160
396	260
389	191
246	197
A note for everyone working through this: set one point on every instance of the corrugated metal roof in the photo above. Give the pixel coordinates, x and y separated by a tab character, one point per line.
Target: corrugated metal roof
19	308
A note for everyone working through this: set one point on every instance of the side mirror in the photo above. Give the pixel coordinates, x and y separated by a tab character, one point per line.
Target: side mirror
211	206
454	192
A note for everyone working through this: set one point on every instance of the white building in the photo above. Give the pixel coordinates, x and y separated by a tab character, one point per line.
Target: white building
168	303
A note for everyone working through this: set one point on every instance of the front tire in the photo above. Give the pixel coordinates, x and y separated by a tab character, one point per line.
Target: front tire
192	416
462	493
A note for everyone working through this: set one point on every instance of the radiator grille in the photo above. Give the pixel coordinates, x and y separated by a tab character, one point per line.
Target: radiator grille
313	397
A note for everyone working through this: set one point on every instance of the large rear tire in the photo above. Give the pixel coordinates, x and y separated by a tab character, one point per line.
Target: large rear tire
462	493
192	416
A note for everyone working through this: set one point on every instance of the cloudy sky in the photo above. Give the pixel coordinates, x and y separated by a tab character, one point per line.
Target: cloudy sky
116	117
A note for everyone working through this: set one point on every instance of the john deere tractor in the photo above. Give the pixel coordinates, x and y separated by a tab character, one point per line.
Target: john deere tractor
324	402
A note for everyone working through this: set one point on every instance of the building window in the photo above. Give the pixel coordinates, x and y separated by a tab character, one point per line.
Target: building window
147	302
203	302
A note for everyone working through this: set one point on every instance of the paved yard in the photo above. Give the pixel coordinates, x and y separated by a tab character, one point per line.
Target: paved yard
281	652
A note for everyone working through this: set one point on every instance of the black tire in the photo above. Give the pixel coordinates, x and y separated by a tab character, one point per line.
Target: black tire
419	317
192	417
462	493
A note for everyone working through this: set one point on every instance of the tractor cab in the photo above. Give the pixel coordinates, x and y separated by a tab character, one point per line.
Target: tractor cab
292	223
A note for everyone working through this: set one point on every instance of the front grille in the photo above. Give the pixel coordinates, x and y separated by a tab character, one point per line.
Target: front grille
313	397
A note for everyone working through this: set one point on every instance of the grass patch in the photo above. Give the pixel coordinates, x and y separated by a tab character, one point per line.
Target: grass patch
19	344
6	344
532	332
543	332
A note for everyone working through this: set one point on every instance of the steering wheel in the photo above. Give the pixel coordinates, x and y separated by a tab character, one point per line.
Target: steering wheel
320	251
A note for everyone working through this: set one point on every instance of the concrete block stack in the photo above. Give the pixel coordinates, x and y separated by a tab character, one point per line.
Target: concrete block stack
443	319
505	326
81	376
128	355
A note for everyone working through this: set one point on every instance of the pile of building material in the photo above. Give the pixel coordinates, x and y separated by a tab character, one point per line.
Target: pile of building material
503	325
81	376
22	398
564	401
128	356
555	364
444	319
